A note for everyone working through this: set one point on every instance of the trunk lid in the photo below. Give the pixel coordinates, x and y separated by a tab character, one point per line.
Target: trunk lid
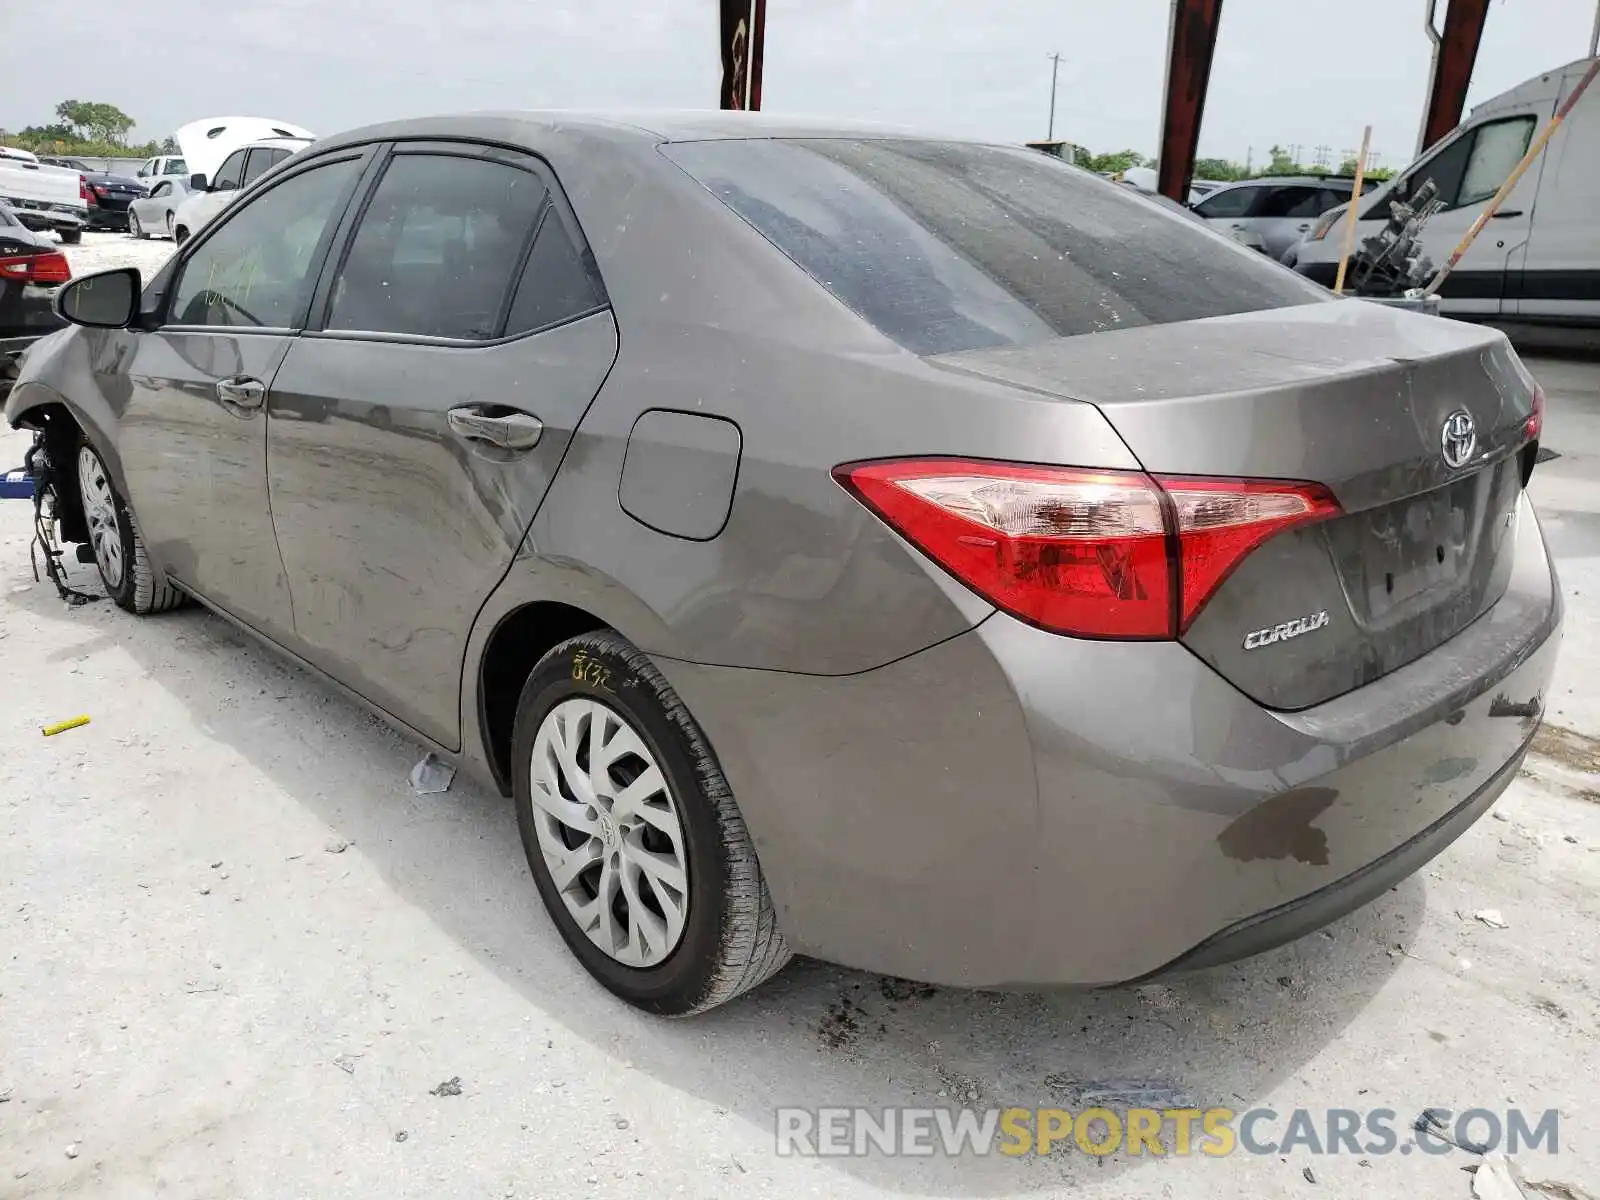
205	143
1350	395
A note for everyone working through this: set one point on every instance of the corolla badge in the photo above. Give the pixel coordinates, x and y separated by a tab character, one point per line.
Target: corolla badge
1458	438
1286	630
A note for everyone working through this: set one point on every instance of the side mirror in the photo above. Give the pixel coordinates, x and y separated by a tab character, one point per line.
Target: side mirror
197	182
104	300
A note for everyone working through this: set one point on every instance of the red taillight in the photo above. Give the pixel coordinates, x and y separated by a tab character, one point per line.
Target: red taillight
1099	554
84	193
1535	424
49	267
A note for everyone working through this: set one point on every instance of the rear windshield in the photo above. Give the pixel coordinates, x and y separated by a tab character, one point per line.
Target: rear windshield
947	247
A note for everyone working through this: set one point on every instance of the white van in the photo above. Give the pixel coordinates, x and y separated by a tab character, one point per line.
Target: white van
1538	261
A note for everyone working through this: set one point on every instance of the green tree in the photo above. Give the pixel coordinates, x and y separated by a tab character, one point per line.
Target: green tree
1220	169
95	121
1282	163
1114	163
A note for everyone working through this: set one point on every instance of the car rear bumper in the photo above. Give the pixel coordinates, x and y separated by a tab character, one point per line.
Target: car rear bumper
110	214
1012	808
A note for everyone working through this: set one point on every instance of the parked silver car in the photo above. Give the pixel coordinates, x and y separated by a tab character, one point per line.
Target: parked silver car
914	553
1275	212
152	216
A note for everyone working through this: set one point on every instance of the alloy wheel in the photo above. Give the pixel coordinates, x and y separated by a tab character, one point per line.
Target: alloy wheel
100	512
610	832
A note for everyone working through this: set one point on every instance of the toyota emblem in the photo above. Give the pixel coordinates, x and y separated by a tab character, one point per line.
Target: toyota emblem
1459	438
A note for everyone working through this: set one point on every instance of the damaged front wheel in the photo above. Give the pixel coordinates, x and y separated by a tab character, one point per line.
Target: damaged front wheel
119	552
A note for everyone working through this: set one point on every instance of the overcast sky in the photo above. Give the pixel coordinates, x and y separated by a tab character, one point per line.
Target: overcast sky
1292	71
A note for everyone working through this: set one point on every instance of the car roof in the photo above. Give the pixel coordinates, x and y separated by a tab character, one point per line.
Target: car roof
652	124
271	144
1289	181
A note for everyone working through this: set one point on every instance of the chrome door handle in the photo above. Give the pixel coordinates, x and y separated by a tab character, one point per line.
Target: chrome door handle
242	392
496	425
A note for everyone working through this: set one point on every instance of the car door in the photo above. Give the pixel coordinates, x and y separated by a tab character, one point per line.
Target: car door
1228	209
191	390
411	438
1284	214
1469	170
219	191
1559	277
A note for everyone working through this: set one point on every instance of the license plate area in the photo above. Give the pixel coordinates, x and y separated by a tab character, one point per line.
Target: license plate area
1403	558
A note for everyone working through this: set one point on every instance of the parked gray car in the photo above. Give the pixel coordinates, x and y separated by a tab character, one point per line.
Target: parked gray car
914	553
1274	214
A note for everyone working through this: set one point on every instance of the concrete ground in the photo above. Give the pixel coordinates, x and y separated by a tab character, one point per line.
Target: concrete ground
238	955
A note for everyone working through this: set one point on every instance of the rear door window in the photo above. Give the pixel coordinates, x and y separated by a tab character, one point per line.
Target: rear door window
262	158
438	248
230	172
946	247
557	285
1234	202
1291	202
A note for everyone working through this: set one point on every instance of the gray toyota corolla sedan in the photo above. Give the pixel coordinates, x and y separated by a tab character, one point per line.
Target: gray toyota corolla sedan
914	553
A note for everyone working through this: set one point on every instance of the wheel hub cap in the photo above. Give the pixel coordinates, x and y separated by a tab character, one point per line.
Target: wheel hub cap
608	827
100	514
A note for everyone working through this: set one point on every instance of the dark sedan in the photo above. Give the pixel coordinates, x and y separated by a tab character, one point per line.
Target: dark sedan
108	195
31	269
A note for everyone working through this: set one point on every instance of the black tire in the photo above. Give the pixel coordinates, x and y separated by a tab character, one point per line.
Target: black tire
179	235
136	586
730	941
71	237
135	230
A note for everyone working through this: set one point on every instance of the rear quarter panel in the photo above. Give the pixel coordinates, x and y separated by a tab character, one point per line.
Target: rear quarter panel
715	321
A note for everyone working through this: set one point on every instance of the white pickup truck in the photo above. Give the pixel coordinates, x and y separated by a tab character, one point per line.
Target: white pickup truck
43	197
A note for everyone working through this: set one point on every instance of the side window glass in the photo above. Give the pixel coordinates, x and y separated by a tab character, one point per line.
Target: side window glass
1290	202
161	189
254	271
229	173
1496	149
437	248
556	285
256	165
1330	198
176	166
1235	202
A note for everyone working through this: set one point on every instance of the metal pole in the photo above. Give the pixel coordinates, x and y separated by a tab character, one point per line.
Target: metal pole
1432	30
1594	38
1055	66
1350	217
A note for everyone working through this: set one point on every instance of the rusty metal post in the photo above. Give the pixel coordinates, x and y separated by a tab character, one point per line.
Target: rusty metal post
742	40
1458	52
1191	41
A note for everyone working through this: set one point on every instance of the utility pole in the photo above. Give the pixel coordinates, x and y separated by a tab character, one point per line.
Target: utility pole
1055	67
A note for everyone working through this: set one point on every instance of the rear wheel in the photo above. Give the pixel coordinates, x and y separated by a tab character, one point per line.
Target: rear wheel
135	230
180	235
119	550
71	237
170	234
637	847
